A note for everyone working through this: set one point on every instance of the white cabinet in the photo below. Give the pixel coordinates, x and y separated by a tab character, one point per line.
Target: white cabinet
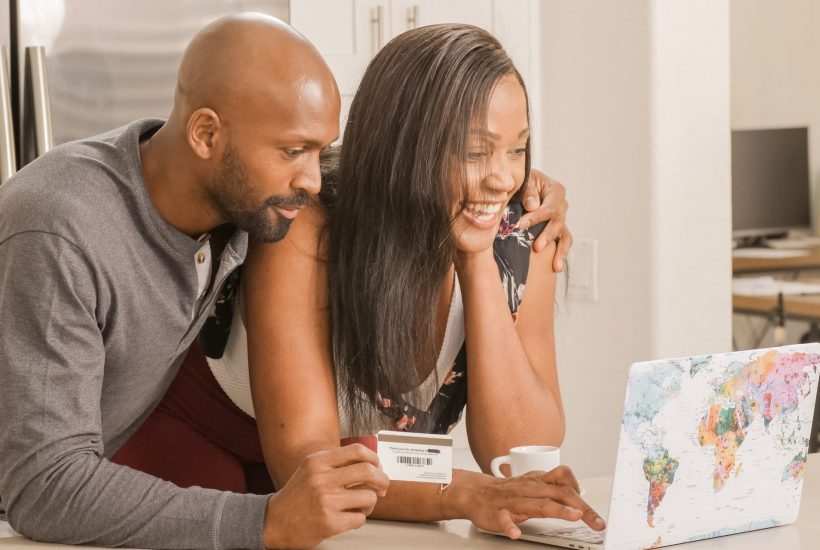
409	14
348	33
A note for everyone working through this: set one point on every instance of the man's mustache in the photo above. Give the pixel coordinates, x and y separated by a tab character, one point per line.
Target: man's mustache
299	199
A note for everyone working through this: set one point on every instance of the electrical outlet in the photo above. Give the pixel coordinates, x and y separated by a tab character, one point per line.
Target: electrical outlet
583	270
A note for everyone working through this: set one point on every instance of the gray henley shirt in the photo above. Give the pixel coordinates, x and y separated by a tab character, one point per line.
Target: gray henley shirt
98	304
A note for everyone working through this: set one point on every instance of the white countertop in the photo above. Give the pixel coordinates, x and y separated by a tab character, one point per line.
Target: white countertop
802	535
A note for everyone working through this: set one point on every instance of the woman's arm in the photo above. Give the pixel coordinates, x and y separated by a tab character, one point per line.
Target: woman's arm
285	307
284	299
284	304
513	395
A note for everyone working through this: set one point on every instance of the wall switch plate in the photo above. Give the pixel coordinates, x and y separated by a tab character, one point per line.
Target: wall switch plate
583	270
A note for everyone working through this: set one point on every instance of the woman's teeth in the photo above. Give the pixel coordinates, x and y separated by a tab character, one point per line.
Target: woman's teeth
483	211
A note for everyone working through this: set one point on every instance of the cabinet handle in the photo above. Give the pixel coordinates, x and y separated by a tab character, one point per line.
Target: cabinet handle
8	164
36	127
412	17
376	28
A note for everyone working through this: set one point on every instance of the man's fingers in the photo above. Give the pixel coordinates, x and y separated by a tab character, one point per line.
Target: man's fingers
345	521
531	202
352	500
362	474
349	454
528	220
548	235
532	194
546	212
564	244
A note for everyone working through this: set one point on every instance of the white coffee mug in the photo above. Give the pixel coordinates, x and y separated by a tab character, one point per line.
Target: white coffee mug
528	458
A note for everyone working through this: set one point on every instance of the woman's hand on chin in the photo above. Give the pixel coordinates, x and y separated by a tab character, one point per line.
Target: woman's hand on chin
498	504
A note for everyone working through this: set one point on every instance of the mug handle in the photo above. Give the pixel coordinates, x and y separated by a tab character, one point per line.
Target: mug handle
497	462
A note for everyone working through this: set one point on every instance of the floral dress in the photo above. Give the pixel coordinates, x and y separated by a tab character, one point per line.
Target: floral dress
511	250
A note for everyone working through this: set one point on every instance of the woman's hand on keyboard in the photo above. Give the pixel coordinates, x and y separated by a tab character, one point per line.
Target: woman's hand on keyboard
498	504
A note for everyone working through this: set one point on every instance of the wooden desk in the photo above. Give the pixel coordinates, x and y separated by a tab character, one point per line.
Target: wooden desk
752	265
801	535
799	308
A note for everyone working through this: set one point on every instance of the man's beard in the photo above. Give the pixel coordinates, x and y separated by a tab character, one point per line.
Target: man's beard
231	195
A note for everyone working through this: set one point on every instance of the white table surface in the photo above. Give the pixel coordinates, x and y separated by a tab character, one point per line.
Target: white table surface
801	535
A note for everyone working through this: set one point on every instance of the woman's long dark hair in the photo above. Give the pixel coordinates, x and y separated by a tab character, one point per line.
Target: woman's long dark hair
390	241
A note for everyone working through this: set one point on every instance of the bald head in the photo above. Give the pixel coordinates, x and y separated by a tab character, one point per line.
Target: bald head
255	104
245	61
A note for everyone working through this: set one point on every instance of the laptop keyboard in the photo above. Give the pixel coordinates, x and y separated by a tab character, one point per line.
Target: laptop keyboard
581	533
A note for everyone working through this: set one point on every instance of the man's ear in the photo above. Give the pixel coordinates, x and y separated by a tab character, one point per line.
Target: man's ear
203	132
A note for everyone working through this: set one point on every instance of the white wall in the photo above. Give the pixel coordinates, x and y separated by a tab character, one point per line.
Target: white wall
636	123
775	48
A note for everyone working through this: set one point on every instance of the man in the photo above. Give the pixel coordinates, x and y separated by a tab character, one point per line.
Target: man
112	251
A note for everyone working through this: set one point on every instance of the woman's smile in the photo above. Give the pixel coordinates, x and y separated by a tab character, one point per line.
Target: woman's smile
482	214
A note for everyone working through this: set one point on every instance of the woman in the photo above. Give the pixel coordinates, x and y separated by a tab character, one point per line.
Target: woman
407	279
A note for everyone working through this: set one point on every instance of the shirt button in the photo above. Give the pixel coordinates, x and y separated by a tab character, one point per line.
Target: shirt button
200	258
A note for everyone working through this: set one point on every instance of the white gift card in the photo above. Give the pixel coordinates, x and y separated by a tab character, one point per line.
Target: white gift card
407	456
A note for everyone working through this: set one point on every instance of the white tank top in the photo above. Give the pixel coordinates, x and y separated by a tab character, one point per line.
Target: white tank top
231	370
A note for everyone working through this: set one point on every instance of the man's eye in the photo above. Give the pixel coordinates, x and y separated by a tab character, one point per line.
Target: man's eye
293	152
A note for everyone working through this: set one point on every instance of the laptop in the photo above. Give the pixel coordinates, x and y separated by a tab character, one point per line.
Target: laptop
710	446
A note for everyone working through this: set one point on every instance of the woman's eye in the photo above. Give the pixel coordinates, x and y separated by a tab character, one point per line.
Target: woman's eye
476	155
518	153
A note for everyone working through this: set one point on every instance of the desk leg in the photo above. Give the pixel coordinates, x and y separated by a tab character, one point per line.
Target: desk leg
813	335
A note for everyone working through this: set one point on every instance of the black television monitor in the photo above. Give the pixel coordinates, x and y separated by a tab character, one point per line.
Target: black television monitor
770	181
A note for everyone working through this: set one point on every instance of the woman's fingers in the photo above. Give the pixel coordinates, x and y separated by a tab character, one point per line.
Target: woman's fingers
550	494
507	525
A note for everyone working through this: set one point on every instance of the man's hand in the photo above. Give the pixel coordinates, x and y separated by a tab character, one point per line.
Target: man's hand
546	200
331	492
498	504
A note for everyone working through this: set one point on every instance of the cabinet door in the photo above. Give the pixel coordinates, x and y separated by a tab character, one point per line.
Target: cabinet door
409	14
348	33
508	20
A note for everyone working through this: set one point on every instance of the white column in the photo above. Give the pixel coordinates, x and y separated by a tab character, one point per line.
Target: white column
690	155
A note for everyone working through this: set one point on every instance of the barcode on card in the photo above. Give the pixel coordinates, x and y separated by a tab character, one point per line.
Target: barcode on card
414	460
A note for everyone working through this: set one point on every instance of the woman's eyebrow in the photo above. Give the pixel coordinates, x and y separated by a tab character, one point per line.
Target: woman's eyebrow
493	136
